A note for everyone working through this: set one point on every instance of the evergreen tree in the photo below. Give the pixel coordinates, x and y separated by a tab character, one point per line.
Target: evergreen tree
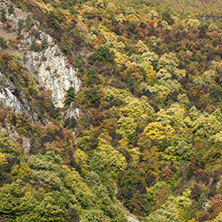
44	42
70	96
3	15
11	9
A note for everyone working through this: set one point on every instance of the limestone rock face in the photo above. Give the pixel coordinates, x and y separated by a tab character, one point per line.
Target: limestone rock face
48	65
73	112
8	98
52	71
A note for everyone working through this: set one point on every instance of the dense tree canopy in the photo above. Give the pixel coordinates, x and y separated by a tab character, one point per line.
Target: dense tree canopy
148	129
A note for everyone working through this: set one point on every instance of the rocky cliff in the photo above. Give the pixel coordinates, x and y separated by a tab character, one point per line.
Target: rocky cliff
8	98
47	65
52	71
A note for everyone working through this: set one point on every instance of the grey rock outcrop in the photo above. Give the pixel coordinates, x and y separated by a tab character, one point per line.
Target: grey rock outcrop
52	71
48	66
9	100
73	112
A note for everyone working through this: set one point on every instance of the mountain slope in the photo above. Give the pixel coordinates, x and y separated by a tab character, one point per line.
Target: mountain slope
112	96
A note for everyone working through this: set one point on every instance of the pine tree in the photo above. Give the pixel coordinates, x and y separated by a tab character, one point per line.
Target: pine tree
44	42
11	9
3	15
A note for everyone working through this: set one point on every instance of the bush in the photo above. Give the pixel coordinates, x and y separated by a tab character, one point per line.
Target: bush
3	15
216	93
103	54
70	96
79	63
93	95
70	123
92	75
11	9
167	17
36	47
44	42
66	48
3	43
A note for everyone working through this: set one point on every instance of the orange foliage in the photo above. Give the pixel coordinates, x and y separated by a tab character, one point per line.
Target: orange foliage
189	54
166	173
82	11
202	216
66	11
68	134
96	42
19	140
3	116
6	56
216	204
151	23
7	26
123	38
53	127
14	42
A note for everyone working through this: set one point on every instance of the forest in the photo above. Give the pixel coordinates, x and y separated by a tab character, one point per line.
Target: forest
148	139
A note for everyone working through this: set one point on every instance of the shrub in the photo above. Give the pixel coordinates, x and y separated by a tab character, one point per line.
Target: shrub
3	43
103	54
70	96
44	42
92	75
36	47
3	15
11	9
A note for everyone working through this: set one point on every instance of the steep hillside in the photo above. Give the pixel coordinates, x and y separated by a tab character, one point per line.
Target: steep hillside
205	8
38	167
109	108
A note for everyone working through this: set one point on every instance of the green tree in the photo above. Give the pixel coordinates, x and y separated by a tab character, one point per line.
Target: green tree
70	96
44	42
3	43
95	215
127	128
167	213
8	147
131	180
103	54
93	96
92	75
216	93
17	199
167	17
3	15
79	63
65	47
36	47
52	22
11	9
106	160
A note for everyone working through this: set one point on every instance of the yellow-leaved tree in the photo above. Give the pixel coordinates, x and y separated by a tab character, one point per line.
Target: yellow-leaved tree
2	159
156	131
107	161
150	73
